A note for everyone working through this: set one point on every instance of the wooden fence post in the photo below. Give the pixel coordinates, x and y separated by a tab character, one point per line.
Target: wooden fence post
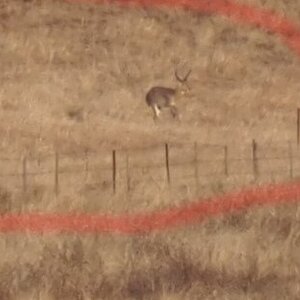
254	158
127	172
196	167
24	174
298	126
114	170
56	172
86	165
226	160
291	159
167	164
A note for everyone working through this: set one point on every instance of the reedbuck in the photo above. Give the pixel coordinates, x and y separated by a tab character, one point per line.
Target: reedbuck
159	97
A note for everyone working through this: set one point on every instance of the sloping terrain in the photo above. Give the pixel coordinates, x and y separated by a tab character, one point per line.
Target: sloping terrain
74	78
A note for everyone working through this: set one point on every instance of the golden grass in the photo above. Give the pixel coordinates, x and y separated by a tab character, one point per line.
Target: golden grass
74	78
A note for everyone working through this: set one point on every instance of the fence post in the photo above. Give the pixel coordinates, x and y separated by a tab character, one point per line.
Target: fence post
298	126
226	160
114	170
39	160
196	167
167	164
56	172
127	171
254	158
291	159
24	174
86	165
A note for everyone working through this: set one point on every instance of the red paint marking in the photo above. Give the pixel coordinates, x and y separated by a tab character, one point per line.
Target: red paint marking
190	214
241	13
194	212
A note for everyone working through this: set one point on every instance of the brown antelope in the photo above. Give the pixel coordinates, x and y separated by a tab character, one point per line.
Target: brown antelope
159	97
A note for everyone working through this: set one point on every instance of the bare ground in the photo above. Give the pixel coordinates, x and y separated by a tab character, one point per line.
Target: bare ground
74	78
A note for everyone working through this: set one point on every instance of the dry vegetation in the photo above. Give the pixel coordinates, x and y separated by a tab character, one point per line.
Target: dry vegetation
73	78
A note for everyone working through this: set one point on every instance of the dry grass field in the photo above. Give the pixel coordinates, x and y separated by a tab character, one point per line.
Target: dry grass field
74	78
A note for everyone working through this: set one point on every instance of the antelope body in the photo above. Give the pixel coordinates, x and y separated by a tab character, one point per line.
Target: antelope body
159	97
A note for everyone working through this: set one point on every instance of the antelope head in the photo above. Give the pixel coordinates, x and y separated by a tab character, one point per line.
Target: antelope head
184	88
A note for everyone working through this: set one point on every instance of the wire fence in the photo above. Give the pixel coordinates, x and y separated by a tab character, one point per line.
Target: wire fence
165	166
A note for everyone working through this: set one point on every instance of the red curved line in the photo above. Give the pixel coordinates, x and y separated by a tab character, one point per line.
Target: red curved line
241	13
193	213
